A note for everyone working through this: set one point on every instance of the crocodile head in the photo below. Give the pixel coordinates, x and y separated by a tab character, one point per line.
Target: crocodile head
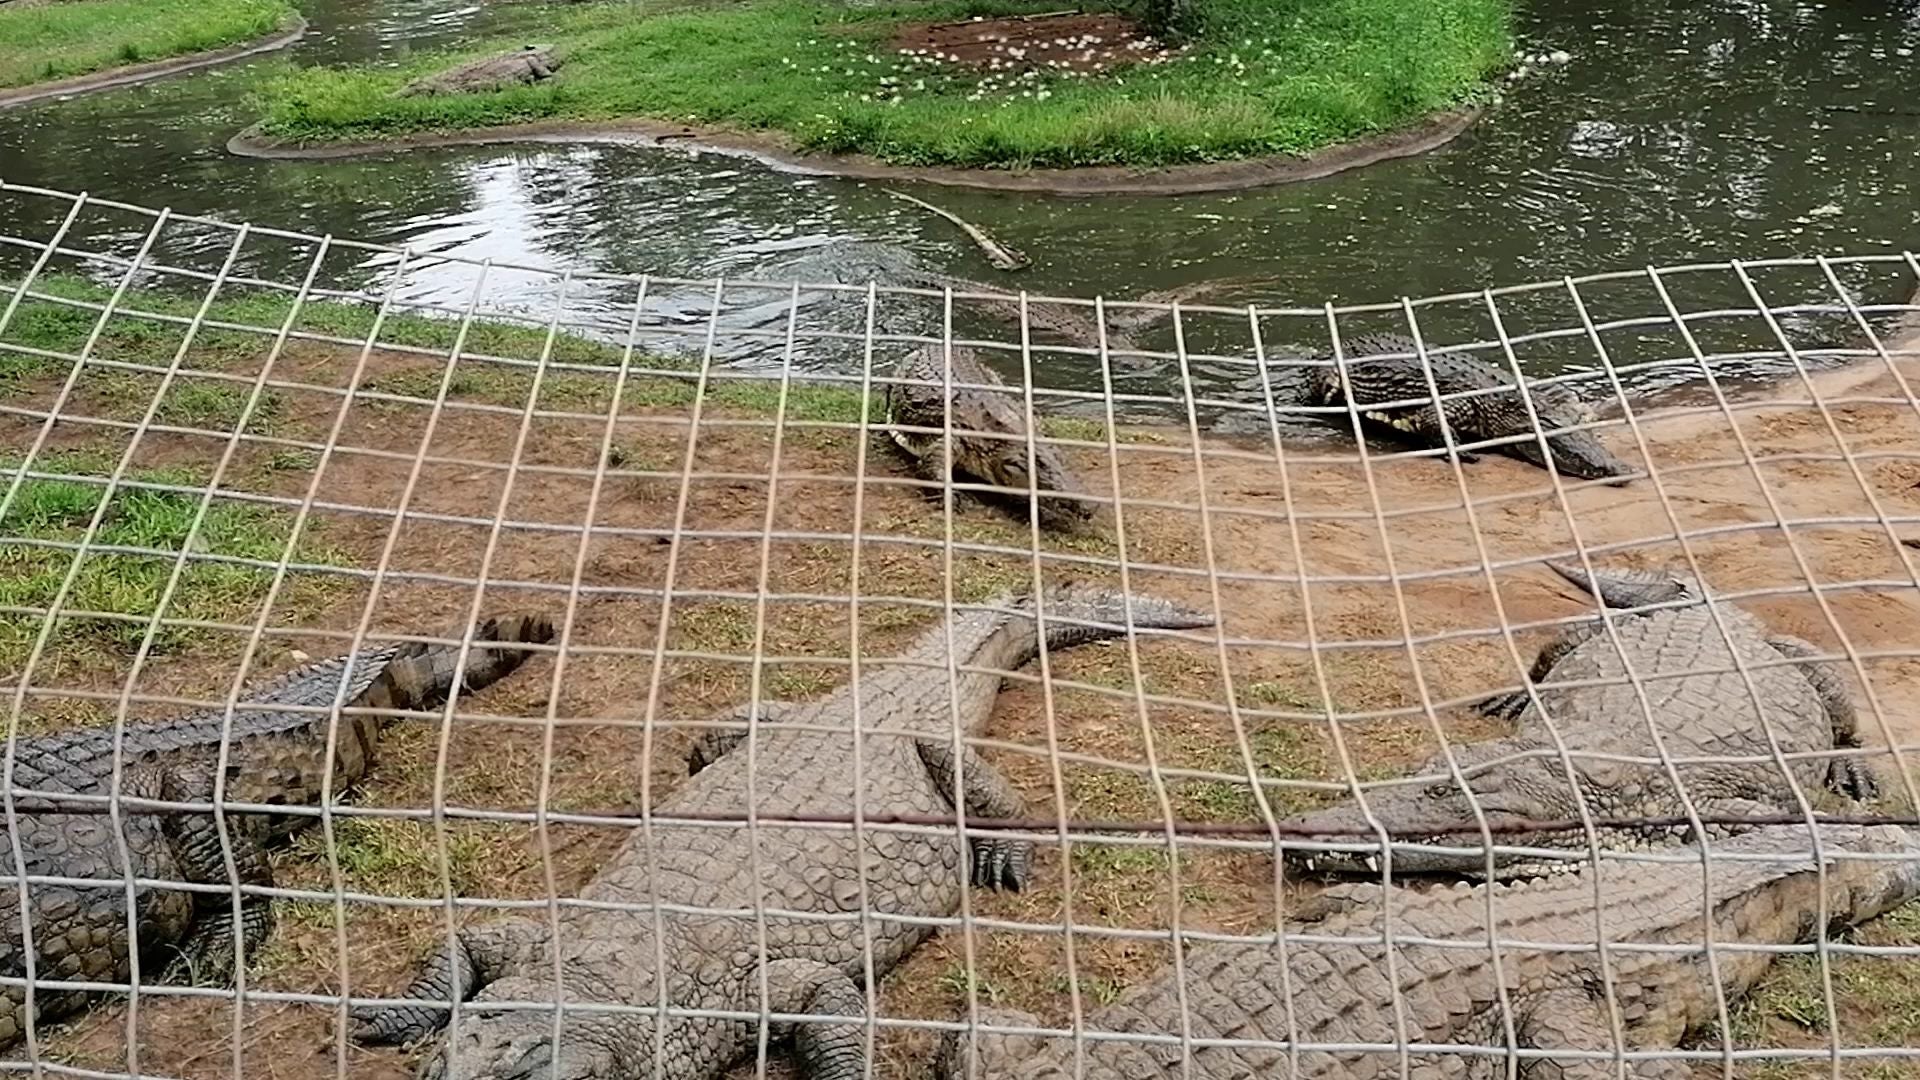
1577	452
1439	815
519	1045
1003	463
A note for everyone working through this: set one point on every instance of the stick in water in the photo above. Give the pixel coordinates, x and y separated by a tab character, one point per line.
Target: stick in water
1001	256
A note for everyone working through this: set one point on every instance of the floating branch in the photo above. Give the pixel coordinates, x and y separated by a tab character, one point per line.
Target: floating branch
1001	256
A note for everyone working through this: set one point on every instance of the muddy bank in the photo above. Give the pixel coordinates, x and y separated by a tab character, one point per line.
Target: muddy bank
288	33
779	153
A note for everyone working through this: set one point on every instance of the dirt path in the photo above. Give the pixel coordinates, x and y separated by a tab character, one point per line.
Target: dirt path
1815	505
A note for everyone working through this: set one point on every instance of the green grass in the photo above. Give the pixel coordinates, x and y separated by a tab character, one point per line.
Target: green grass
63	328
47	509
41	42
1263	77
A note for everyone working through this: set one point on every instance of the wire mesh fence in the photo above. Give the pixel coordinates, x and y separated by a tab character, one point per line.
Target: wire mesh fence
700	719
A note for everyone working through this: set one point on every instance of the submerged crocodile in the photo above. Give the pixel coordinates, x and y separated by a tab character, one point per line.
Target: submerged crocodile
1251	996
990	436
1499	414
274	758
845	899
1699	703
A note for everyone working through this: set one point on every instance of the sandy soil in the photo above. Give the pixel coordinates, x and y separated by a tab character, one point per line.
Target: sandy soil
1834	475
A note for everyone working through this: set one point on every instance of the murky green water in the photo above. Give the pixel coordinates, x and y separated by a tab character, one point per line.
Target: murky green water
1681	131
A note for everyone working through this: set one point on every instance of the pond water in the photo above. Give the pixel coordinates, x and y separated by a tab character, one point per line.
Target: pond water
1680	131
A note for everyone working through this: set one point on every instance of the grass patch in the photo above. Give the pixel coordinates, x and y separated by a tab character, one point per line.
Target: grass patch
143	330
42	42
1261	77
1877	999
59	510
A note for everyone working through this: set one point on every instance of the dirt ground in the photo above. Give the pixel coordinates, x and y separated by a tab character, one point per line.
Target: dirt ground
1269	527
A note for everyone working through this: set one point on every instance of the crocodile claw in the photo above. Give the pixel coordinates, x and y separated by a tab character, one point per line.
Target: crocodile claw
1001	862
1506	706
1855	779
381	1026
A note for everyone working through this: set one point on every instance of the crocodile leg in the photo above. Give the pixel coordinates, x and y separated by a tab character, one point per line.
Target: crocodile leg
824	1051
715	743
980	1055
1850	776
478	956
998	861
209	956
1615	588
1570	1019
1510	705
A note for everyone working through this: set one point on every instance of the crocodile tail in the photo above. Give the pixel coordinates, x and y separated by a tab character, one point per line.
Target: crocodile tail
1627	588
1078	614
423	675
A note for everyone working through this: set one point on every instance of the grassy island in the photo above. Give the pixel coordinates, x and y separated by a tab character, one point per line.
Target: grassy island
43	40
970	84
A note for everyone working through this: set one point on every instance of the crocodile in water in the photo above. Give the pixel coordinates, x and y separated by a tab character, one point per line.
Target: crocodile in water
1449	995
998	456
1700	705
824	879
1376	377
275	758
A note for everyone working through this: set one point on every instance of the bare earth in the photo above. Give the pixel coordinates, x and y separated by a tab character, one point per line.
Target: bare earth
1260	517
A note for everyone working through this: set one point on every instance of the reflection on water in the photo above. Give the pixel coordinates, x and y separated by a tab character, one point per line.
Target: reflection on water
1681	131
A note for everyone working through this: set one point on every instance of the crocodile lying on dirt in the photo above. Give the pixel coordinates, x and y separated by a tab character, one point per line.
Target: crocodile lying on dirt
1496	415
275	758
524	66
999	456
801	759
1449	995
1700	705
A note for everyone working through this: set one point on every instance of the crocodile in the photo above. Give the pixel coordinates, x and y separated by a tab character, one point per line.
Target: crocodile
1341	992
524	66
997	457
275	757
1696	700
1396	376
668	920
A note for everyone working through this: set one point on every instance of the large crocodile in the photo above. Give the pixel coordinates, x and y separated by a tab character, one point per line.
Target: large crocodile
524	66
1698	702
1383	368
1254	997
990	435
845	900
275	757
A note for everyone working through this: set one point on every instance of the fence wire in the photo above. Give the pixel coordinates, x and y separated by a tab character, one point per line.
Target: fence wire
660	839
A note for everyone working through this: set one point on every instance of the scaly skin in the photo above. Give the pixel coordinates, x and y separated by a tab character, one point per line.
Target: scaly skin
814	952
521	67
79	933
998	457
1576	452
1697	714
1448	995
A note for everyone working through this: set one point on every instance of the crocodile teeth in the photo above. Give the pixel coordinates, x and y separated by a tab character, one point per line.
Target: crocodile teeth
1371	863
